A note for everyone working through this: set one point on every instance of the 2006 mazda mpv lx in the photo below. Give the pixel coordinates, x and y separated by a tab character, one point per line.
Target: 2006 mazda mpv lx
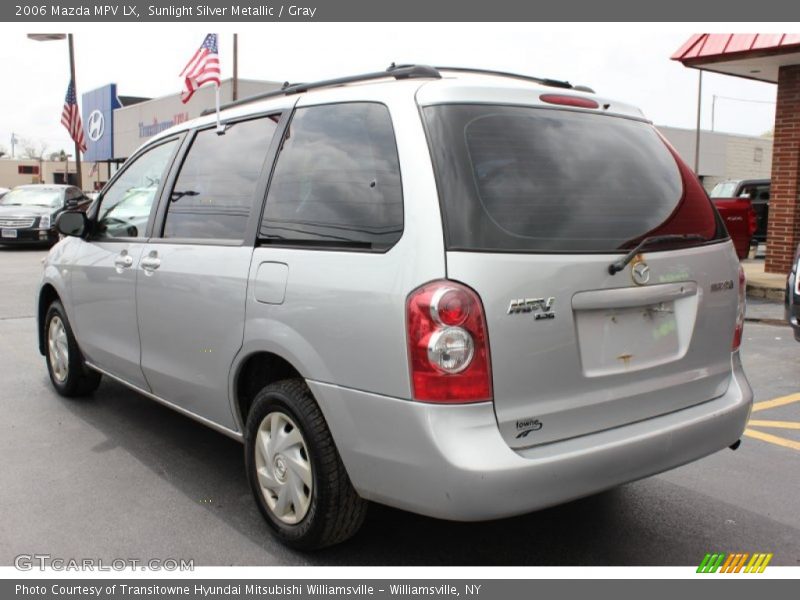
467	295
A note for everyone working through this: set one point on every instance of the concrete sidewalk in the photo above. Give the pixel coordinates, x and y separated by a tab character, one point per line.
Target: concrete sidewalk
769	286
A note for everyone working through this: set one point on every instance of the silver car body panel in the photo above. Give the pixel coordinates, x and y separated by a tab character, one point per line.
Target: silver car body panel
103	302
614	352
451	462
342	318
191	323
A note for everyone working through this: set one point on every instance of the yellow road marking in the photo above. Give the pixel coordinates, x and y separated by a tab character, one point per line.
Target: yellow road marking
772	439
775	402
778	424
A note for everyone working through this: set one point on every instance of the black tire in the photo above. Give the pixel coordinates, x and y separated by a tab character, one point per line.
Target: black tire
336	511
78	380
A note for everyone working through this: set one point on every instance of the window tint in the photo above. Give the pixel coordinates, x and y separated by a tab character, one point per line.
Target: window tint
215	189
525	179
125	206
337	180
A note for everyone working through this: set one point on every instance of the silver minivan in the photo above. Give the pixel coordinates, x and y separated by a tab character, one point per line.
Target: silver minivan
465	294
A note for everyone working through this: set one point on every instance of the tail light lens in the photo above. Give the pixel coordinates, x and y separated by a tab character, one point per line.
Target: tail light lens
752	221
447	344
737	334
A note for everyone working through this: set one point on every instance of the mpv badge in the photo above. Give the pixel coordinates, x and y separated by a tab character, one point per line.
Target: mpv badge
540	307
640	273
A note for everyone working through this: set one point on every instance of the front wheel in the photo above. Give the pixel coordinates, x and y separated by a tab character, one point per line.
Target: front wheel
65	365
296	474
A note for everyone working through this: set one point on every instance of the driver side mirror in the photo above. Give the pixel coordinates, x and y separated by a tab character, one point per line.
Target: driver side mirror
72	223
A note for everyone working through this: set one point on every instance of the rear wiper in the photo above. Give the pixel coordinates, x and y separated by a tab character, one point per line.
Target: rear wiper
620	264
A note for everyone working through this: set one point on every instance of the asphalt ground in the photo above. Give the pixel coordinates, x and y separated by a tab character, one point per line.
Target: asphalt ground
119	476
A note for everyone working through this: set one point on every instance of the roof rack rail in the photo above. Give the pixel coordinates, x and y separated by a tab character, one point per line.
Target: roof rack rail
396	71
539	80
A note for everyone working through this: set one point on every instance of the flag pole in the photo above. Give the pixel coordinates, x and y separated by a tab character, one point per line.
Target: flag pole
220	128
78	170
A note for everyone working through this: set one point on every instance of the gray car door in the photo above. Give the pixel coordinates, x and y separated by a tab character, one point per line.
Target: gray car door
192	281
104	274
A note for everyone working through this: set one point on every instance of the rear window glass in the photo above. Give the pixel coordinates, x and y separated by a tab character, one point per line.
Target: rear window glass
524	179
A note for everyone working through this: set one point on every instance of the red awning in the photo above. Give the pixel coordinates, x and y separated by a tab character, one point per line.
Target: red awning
751	55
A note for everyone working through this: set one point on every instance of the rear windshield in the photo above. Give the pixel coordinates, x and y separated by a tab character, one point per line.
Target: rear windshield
724	190
525	179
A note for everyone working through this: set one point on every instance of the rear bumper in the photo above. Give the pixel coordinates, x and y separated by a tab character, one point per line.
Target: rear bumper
450	461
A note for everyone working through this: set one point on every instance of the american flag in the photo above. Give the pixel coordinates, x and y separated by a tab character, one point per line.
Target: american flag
202	68
71	118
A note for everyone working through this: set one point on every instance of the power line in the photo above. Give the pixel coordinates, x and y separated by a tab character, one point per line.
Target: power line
745	100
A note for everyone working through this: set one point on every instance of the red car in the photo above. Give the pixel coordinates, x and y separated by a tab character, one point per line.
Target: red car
740	219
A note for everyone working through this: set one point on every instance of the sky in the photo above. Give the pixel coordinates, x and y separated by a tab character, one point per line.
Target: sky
627	62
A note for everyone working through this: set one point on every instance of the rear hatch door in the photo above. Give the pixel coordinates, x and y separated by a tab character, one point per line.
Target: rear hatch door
537	204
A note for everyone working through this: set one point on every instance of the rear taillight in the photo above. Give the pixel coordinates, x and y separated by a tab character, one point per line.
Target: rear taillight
737	333
752	221
448	346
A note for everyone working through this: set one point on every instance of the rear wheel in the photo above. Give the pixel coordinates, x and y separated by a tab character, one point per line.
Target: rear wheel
65	364
297	477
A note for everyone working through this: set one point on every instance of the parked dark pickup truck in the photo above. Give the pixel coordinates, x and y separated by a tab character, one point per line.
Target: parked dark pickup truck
755	190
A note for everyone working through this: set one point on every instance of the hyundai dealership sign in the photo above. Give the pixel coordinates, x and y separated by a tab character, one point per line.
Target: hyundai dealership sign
98	122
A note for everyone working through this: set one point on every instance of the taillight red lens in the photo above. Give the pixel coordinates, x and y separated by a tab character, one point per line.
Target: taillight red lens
739	330
752	221
450	306
448	346
565	100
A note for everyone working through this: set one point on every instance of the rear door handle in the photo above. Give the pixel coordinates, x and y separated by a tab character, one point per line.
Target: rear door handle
150	262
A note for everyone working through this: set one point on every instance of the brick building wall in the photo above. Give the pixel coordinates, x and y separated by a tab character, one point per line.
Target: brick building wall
784	204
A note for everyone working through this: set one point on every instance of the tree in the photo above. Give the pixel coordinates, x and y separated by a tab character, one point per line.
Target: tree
32	149
3	151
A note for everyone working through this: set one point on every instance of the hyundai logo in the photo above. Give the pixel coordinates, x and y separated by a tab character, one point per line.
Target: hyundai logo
96	124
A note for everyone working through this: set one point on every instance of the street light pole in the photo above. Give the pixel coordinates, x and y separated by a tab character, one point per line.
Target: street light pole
75	87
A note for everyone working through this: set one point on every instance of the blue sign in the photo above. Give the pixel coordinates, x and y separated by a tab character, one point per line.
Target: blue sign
98	122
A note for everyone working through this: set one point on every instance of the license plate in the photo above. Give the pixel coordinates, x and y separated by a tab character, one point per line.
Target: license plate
9	233
628	339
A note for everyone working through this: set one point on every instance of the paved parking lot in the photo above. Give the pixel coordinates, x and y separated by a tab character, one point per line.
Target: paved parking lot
119	476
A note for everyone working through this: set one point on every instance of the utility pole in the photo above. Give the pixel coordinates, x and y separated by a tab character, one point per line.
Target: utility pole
697	133
713	108
235	66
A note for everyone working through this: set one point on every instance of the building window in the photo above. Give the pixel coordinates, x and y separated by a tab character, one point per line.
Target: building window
28	170
758	155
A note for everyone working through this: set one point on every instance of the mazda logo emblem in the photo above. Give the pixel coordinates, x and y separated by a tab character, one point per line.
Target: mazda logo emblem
640	273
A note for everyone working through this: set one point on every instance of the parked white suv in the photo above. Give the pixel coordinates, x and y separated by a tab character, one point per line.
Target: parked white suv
467	295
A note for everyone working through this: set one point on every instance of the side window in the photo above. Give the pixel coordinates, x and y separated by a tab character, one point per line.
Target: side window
125	206
215	189
337	180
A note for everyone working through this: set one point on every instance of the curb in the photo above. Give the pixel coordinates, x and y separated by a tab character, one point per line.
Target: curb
768	293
